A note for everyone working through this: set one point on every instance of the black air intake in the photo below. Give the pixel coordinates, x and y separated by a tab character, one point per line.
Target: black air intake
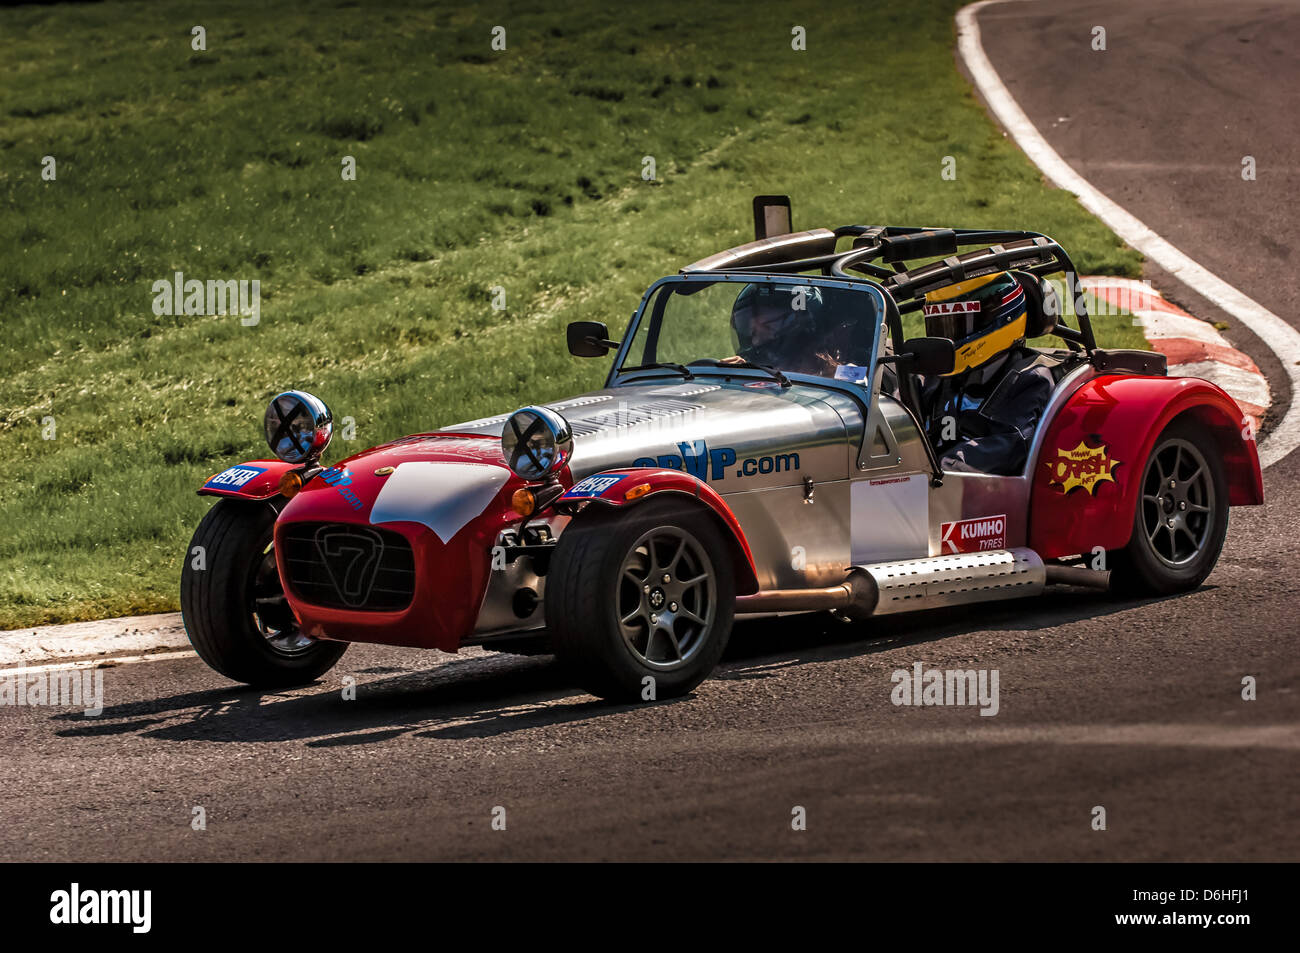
348	566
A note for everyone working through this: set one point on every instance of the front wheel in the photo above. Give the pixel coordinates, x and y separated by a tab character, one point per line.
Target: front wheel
639	603
234	607
1181	518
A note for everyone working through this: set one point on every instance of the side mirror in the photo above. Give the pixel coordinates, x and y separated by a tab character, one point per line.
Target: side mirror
928	355
589	339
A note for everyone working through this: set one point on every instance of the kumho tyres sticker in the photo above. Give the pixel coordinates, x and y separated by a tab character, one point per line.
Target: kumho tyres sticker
592	486
233	478
1083	466
974	535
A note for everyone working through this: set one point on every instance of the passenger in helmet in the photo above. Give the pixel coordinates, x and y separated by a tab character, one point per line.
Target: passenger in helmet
982	416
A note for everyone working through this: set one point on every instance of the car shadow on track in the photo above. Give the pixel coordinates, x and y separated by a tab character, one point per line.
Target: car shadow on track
820	637
481	697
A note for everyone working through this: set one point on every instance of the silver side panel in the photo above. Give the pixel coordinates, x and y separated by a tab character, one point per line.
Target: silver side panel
796	544
758	446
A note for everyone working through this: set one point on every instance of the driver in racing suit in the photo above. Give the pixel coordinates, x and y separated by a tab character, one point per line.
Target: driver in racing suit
982	416
794	328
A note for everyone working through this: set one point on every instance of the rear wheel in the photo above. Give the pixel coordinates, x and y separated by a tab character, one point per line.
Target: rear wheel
234	607
1181	517
645	594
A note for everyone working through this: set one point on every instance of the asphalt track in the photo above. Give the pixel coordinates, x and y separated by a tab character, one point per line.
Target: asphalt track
1132	706
1160	122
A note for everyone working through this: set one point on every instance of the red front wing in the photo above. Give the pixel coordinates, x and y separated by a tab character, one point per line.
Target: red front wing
450	576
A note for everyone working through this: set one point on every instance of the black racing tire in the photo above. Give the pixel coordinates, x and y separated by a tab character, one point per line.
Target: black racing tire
589	596
1183	480
255	642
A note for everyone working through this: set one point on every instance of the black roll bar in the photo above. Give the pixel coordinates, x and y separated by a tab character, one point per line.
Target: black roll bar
1033	252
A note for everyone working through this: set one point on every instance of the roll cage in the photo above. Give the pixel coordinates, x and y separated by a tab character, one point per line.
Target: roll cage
920	260
815	250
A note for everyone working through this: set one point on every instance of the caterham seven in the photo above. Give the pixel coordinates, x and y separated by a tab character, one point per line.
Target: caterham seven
765	442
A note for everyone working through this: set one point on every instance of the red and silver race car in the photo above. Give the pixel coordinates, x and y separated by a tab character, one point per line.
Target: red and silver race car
627	527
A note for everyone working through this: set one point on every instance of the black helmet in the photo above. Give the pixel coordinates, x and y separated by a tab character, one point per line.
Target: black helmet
786	317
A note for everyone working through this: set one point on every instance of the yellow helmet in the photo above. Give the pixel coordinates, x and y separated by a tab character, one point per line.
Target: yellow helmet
983	317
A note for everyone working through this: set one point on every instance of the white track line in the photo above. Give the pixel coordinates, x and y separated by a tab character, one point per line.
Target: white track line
1282	339
107	661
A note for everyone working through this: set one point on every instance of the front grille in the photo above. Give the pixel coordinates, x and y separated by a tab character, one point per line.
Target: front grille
347	566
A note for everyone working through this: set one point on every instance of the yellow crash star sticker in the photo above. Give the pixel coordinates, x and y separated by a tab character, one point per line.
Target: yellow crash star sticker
1083	466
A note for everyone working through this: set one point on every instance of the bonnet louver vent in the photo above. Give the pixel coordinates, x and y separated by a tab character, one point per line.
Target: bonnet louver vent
633	416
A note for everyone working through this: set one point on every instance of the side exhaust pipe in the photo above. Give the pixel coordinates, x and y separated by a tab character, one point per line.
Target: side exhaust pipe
856	595
1078	576
929	583
907	585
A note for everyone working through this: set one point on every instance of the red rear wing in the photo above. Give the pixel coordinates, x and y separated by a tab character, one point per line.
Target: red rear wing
1086	480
